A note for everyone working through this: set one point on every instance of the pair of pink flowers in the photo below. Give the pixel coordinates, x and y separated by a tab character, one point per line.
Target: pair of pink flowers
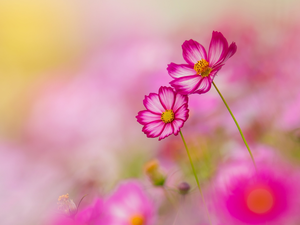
167	111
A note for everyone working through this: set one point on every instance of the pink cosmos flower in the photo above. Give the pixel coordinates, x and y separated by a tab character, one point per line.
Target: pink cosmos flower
129	205
269	196
197	75
92	215
165	115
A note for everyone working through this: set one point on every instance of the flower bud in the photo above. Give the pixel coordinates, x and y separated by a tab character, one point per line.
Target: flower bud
154	173
183	188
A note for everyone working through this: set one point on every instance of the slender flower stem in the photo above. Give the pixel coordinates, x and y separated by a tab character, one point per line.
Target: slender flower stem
195	175
236	125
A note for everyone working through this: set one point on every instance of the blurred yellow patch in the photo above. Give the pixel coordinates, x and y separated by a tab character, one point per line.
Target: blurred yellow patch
38	34
35	36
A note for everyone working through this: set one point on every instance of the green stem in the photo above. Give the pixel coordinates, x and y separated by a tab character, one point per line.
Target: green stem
236	125
195	175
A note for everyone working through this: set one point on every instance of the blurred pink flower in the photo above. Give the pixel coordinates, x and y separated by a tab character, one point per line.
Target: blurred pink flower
198	74
91	215
129	205
165	115
248	197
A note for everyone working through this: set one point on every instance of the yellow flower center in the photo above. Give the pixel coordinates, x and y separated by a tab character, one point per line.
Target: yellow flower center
260	201
167	116
137	220
202	68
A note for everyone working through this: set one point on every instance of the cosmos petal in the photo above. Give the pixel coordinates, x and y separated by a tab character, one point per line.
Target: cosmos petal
168	130
179	101
180	70
186	85
144	117
231	51
167	97
218	48
153	104
182	113
153	129
204	86
177	124
214	72
193	52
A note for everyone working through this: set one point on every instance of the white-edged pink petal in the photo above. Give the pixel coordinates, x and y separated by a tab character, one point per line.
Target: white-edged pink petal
193	52
182	113
231	51
153	129
167	97
177	124
146	116
180	70
217	49
204	86
186	85
215	70
179	101
153	104
168	130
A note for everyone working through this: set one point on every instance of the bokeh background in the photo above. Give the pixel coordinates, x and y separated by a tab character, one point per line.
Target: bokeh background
74	75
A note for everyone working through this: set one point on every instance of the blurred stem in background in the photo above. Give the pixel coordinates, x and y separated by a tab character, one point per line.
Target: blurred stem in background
195	175
236	125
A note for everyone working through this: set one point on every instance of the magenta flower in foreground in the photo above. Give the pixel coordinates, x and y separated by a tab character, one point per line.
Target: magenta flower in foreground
129	205
269	196
197	75
165	113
